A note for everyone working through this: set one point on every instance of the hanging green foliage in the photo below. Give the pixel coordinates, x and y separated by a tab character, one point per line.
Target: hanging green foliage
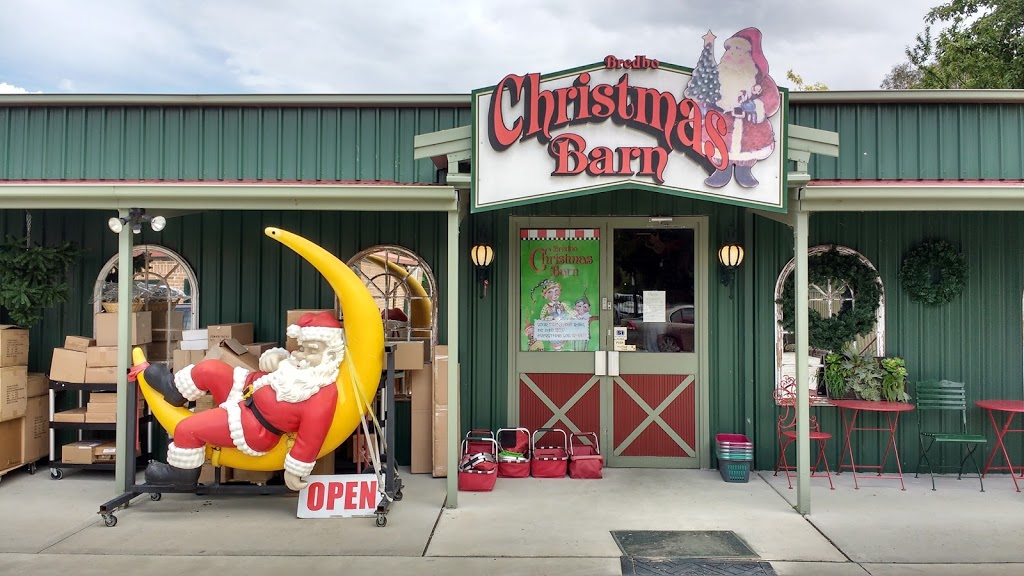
854	319
934	272
34	277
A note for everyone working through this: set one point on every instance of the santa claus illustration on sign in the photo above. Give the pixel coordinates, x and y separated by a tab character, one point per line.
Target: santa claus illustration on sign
740	87
290	393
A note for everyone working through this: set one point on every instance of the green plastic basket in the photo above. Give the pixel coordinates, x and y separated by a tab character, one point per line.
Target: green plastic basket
737	471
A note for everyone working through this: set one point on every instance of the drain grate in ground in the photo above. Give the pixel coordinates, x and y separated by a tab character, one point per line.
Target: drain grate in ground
704	544
692	567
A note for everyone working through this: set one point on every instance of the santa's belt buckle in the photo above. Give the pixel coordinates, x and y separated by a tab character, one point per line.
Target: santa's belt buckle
247	392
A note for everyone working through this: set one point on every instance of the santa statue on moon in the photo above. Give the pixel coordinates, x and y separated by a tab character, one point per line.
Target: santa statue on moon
291	392
749	97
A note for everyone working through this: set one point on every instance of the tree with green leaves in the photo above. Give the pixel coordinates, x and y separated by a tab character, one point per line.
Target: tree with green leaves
798	81
34	277
981	47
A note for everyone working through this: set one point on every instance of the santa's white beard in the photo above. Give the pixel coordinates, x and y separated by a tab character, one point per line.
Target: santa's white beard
294	383
737	79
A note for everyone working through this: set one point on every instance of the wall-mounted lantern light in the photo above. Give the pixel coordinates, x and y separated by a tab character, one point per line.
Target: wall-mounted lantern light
730	256
482	256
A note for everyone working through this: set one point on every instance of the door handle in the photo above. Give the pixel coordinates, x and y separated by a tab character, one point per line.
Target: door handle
600	363
613	363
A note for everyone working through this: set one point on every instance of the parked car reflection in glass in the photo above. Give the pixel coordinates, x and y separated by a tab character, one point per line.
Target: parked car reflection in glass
676	335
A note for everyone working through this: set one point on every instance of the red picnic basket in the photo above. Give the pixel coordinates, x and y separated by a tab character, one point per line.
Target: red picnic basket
478	467
585	460
514	458
549	461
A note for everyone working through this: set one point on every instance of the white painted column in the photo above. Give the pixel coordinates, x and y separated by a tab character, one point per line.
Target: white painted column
803	441
123	477
453	359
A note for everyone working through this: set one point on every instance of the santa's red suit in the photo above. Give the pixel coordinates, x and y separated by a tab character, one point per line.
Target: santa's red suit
252	415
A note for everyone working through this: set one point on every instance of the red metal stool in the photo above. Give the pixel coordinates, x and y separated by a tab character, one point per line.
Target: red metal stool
786	430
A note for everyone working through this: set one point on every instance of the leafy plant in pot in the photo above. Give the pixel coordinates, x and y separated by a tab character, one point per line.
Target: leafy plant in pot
34	277
860	376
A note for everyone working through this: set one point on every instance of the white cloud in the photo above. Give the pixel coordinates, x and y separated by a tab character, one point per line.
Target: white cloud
410	46
6	88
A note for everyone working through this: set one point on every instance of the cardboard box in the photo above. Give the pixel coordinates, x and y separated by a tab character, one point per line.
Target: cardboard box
105	452
13	346
420	389
421	449
193	345
259	348
13	392
68	366
409	355
205	402
10	443
101	417
100	408
78	452
440	385
439	450
174	320
159	351
241	332
98	356
105	328
78	343
38	384
183	358
72	415
200	334
168	335
103	397
292	317
235	354
251	476
324	466
206	475
35	430
101	375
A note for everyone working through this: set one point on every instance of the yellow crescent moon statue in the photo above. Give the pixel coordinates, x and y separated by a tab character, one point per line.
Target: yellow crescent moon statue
360	369
419	307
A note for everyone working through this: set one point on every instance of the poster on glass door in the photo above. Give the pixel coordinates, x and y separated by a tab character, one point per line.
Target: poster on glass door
559	277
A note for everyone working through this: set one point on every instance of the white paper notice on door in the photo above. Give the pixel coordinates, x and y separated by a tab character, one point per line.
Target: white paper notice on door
654	306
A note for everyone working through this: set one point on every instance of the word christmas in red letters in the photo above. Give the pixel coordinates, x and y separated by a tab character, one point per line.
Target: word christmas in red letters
676	125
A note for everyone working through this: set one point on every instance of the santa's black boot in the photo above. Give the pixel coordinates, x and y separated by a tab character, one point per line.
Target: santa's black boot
159	378
166	476
720	177
744	176
181	471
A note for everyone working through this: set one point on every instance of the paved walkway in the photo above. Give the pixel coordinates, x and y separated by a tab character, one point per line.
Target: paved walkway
528	526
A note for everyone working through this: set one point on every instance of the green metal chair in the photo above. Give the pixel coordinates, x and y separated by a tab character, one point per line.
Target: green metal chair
944	395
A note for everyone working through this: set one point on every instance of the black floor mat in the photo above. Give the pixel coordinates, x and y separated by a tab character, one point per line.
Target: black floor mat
691	567
682	544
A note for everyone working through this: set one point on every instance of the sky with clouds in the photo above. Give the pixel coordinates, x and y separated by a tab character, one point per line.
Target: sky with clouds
422	46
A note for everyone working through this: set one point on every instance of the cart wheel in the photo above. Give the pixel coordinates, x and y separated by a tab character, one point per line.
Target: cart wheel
110	520
56	474
32	468
155	496
382	520
399	496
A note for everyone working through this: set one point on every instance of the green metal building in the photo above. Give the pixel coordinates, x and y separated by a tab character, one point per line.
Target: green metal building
351	173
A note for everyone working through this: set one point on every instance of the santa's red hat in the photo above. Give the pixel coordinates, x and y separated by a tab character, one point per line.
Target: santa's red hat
753	37
322	326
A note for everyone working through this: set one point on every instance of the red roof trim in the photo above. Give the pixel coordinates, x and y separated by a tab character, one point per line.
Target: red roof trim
916	183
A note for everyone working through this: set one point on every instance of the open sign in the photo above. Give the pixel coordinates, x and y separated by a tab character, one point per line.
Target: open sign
339	496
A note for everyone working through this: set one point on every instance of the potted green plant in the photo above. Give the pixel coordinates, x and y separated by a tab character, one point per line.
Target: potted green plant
34	277
894	379
835	376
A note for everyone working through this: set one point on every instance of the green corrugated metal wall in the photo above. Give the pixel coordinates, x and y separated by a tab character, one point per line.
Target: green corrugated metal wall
324	143
976	339
218	143
918	141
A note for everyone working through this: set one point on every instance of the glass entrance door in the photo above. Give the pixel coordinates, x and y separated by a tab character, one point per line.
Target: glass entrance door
610	329
654	365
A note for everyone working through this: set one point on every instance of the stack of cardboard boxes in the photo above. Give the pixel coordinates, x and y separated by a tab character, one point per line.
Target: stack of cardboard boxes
24	403
429	409
168	331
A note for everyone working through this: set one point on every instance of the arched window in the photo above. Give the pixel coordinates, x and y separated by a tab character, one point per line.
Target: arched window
164	284
827	300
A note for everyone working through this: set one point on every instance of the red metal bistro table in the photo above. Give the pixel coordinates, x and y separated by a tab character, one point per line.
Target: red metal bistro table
892	411
1012	408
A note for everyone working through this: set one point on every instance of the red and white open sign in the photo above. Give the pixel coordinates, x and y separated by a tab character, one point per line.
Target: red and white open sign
339	496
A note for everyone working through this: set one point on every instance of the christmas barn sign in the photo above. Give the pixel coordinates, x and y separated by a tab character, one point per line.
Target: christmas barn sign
714	132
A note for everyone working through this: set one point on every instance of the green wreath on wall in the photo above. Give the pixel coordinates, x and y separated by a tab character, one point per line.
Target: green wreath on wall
934	272
854	319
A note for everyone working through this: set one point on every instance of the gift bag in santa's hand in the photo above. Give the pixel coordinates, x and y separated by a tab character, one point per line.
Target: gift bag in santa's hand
749	97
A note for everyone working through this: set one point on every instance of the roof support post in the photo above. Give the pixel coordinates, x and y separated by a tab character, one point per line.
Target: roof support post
803	441
123	477
454	409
